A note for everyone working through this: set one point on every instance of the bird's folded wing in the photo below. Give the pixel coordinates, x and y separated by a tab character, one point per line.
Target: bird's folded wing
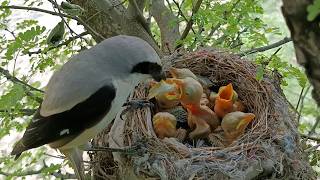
43	130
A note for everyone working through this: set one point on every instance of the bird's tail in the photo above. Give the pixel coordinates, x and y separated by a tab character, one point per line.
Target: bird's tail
18	149
74	156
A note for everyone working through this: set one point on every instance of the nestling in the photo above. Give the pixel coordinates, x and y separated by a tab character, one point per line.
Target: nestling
234	124
164	124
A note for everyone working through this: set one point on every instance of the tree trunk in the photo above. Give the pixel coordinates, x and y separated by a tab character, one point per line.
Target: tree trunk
306	39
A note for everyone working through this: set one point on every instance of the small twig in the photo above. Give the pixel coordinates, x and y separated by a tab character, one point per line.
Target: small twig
310	137
180	12
313	129
65	43
11	32
302	102
265	48
58	157
300	96
55	5
190	22
169	4
16	80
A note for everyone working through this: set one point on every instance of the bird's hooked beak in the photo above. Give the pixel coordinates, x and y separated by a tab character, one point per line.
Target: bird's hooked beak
158	76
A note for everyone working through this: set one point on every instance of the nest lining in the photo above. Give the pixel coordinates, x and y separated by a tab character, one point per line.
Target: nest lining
268	149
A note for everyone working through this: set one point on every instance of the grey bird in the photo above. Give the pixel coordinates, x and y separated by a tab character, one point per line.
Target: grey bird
85	95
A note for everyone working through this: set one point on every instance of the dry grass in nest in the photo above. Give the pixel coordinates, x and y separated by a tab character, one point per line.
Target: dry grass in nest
268	149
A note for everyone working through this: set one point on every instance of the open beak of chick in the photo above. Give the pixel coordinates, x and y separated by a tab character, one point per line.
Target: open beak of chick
164	125
234	124
190	91
224	100
245	120
170	90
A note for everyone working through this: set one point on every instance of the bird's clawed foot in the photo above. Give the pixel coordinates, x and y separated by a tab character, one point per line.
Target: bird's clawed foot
135	104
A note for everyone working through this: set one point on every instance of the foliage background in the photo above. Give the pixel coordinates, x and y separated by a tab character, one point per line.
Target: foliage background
27	59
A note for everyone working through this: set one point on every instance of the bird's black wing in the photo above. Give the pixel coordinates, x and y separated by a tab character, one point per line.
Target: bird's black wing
44	130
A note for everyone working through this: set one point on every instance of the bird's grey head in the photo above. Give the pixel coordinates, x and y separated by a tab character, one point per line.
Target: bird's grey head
124	55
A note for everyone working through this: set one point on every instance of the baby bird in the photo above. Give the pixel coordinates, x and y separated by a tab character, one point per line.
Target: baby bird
162	92
238	106
200	118
234	124
182	73
224	101
203	120
164	125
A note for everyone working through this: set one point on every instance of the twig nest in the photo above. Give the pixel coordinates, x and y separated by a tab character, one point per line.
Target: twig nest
259	153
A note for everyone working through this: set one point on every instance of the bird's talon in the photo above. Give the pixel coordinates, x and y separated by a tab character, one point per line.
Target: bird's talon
135	104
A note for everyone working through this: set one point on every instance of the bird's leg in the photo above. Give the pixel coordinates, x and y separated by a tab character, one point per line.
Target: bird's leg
135	104
74	156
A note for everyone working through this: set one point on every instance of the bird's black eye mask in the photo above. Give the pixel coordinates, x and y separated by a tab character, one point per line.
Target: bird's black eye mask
152	68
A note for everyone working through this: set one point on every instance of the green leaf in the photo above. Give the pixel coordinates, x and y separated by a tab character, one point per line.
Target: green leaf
52	168
313	10
10	99
56	34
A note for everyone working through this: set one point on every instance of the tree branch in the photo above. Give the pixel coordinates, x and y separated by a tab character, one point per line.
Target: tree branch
168	24
16	80
306	36
182	15
309	137
38	10
25	112
139	16
190	22
265	48
302	97
56	14
112	21
65	43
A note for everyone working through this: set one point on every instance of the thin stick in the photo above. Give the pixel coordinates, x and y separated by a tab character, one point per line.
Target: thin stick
265	48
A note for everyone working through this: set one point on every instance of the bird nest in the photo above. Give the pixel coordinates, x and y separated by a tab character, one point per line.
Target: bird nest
268	149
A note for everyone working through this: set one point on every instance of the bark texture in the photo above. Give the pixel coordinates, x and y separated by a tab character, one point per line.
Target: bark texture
111	17
306	39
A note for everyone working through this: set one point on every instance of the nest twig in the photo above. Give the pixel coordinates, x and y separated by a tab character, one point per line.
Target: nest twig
268	149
